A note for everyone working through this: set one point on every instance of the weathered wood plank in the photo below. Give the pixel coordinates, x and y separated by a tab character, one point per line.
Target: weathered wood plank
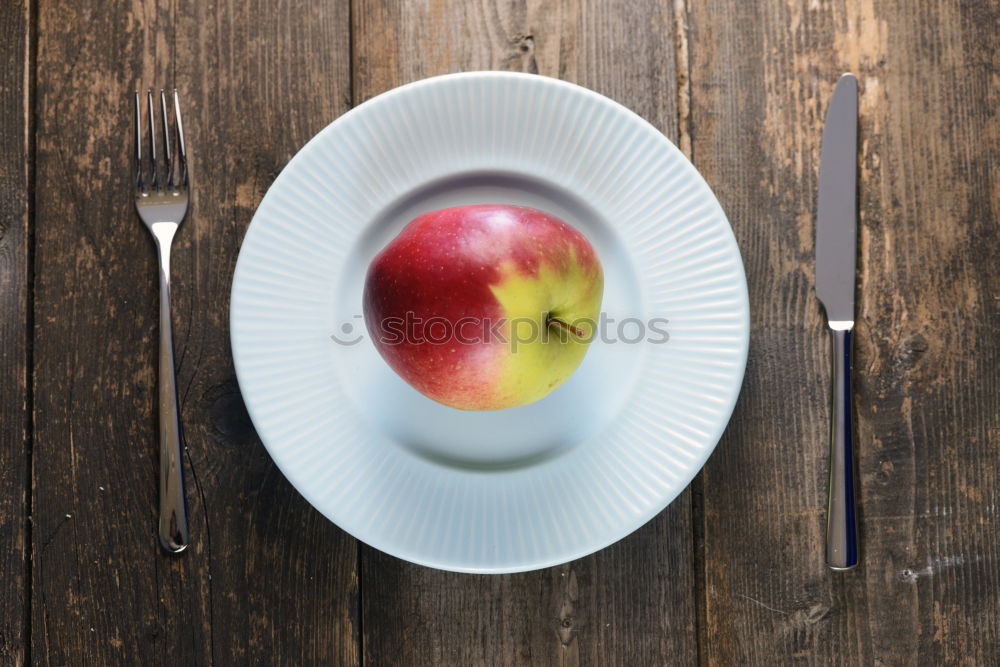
266	76
632	603
14	334
928	357
267	580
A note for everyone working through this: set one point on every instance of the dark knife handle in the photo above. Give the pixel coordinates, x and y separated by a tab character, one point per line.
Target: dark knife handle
841	517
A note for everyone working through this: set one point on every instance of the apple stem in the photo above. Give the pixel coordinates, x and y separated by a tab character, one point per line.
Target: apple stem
576	331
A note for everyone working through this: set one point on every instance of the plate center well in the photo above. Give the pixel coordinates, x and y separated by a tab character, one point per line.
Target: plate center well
574	413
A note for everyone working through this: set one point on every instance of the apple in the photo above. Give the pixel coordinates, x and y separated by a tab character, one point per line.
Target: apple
484	307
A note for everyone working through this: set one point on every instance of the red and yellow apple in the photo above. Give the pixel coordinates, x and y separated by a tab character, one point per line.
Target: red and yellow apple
484	307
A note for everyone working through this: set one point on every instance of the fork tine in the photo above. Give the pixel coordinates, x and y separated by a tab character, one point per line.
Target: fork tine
182	180
137	149
166	139
155	181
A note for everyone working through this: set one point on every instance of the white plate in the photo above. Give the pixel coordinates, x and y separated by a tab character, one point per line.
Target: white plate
516	489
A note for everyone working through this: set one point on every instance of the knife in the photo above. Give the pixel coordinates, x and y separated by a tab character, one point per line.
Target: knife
836	250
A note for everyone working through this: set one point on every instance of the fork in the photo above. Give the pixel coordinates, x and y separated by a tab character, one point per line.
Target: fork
161	199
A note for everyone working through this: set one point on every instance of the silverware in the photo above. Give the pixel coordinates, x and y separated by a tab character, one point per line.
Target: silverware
836	250
161	199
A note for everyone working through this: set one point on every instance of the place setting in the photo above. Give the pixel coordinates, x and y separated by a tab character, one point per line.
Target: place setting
502	354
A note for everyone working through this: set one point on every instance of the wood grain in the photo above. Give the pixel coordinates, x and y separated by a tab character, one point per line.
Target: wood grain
927	336
15	174
268	580
631	604
742	87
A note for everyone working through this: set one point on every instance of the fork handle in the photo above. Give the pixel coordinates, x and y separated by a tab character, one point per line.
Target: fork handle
173	500
841	520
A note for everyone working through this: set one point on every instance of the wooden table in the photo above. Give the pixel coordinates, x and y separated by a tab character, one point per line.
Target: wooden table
732	572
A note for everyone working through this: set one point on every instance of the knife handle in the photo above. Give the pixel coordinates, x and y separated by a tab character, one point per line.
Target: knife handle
841	518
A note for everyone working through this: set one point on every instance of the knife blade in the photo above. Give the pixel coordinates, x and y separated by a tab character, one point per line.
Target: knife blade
836	252
836	219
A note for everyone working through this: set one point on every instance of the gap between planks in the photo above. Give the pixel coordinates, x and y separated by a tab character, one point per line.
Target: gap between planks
30	124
